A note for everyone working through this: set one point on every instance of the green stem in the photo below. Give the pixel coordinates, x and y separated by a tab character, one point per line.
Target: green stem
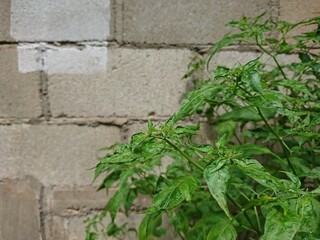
283	144
185	155
244	213
257	217
272	56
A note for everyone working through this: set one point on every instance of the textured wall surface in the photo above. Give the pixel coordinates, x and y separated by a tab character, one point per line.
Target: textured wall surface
78	75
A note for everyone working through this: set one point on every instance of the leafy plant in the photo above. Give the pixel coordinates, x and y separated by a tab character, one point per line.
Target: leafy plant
259	179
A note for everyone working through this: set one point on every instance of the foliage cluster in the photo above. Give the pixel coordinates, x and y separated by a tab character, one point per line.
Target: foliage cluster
259	179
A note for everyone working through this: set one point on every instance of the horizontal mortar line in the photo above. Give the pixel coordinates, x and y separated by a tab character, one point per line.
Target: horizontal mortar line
116	121
55	42
90	121
194	47
113	43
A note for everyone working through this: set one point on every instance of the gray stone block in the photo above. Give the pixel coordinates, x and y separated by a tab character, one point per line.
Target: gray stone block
294	11
134	82
78	201
19	209
59	20
73	228
185	21
56	155
5	21
19	90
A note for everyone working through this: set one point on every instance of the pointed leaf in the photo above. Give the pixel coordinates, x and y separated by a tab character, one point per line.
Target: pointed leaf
217	175
255	170
223	230
149	228
281	226
172	195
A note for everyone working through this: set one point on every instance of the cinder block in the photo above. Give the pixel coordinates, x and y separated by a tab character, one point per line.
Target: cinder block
56	155
185	21
134	82
19	91
294	11
73	228
59	20
5	21
19	209
78	201
64	201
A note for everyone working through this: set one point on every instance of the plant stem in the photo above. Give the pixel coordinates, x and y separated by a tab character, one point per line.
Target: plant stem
185	155
283	144
257	217
244	213
272	56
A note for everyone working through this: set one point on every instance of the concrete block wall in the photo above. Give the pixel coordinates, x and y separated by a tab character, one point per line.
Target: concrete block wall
78	75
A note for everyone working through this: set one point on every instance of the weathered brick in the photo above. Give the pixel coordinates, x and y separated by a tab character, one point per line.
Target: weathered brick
19	209
135	82
5	21
19	90
56	155
185	21
59	20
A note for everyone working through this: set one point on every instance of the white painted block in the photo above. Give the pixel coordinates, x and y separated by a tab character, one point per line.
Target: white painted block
89	60
29	58
60	20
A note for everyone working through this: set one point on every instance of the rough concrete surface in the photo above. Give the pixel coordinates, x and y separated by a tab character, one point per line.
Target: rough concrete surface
59	20
296	10
184	21
20	209
5	21
138	82
19	92
56	155
73	228
77	200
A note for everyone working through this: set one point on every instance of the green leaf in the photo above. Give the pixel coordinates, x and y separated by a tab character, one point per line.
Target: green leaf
294	85
132	194
313	173
149	228
195	101
223	230
109	180
254	80
246	114
249	150
304	209
255	170
172	195
224	42
316	191
226	127
217	175
281	226
304	57
118	199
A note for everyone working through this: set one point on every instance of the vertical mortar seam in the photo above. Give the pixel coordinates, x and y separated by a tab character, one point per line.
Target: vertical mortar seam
42	214
46	112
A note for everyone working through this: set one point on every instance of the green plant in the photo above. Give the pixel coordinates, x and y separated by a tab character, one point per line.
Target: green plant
260	177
